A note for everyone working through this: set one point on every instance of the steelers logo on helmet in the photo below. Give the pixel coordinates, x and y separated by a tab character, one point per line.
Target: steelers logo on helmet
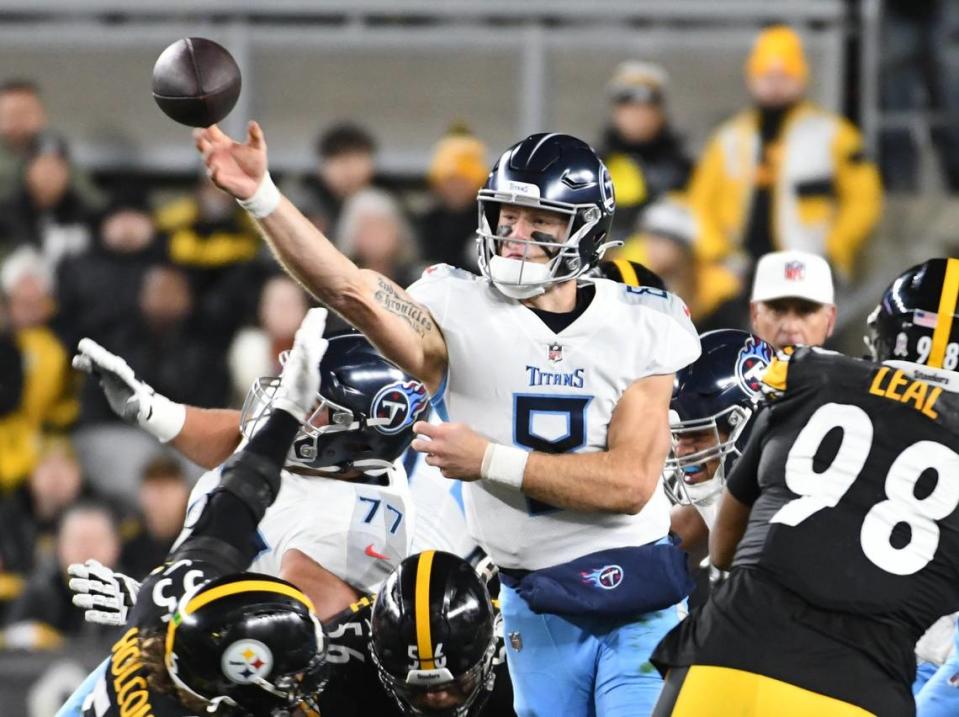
752	361
245	660
400	404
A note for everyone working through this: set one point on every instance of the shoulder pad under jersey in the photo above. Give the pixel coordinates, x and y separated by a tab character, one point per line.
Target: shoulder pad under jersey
438	271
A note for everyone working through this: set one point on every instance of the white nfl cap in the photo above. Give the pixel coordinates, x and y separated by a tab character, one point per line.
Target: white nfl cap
793	274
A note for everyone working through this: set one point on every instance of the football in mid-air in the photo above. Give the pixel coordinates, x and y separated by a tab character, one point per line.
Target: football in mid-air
196	82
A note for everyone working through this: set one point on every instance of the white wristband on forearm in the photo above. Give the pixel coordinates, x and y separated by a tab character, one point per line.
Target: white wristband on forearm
265	199
166	418
504	464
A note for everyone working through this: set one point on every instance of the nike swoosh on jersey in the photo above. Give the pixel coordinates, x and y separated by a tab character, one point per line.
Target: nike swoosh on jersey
373	554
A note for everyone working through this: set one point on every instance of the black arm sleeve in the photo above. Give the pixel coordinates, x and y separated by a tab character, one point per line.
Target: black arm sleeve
225	532
743	481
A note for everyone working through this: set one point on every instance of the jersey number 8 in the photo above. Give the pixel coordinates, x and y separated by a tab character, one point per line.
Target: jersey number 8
825	489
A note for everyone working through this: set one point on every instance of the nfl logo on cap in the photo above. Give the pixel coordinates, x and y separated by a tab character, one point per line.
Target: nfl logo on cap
794	271
793	274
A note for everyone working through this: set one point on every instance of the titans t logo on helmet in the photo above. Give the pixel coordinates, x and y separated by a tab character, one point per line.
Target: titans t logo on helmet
753	360
401	403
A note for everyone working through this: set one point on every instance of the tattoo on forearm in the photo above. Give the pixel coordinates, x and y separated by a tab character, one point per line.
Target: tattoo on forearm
416	316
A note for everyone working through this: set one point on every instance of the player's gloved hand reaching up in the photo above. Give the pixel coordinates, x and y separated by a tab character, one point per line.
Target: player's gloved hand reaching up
104	596
300	381
130	398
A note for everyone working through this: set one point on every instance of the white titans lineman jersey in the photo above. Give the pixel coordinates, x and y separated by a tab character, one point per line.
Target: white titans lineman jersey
358	531
516	382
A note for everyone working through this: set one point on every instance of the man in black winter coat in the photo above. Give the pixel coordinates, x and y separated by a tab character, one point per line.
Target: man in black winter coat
645	157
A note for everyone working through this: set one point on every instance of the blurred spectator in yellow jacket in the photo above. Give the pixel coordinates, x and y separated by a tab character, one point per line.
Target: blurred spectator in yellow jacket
207	229
216	244
644	155
785	173
664	244
48	398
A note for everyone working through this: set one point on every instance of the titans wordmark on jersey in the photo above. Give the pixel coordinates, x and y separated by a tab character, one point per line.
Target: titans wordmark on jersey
359	531
514	380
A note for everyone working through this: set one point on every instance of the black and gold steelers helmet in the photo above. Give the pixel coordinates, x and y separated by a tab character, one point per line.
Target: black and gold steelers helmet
249	641
916	318
432	636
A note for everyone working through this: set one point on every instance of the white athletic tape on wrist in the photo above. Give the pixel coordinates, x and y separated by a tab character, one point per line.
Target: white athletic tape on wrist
166	418
265	199
504	464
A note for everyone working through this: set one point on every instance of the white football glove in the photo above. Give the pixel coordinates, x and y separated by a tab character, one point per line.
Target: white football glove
300	380
104	596
130	398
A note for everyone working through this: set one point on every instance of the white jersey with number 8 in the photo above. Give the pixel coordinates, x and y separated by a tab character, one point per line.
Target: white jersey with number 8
515	381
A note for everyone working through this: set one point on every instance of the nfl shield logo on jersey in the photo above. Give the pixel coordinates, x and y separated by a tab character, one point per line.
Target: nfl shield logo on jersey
795	271
555	353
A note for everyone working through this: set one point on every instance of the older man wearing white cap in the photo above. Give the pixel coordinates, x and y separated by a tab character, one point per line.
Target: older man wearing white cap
793	299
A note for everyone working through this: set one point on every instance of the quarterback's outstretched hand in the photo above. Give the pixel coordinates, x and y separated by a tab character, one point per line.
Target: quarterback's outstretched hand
234	167
456	449
300	380
130	398
104	596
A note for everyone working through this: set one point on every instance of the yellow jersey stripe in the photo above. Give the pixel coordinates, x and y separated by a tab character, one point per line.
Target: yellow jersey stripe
947	310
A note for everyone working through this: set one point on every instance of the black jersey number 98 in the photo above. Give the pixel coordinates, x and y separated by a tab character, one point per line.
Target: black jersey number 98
825	489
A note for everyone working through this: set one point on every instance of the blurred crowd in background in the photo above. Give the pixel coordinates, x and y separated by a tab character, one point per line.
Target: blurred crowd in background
181	285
